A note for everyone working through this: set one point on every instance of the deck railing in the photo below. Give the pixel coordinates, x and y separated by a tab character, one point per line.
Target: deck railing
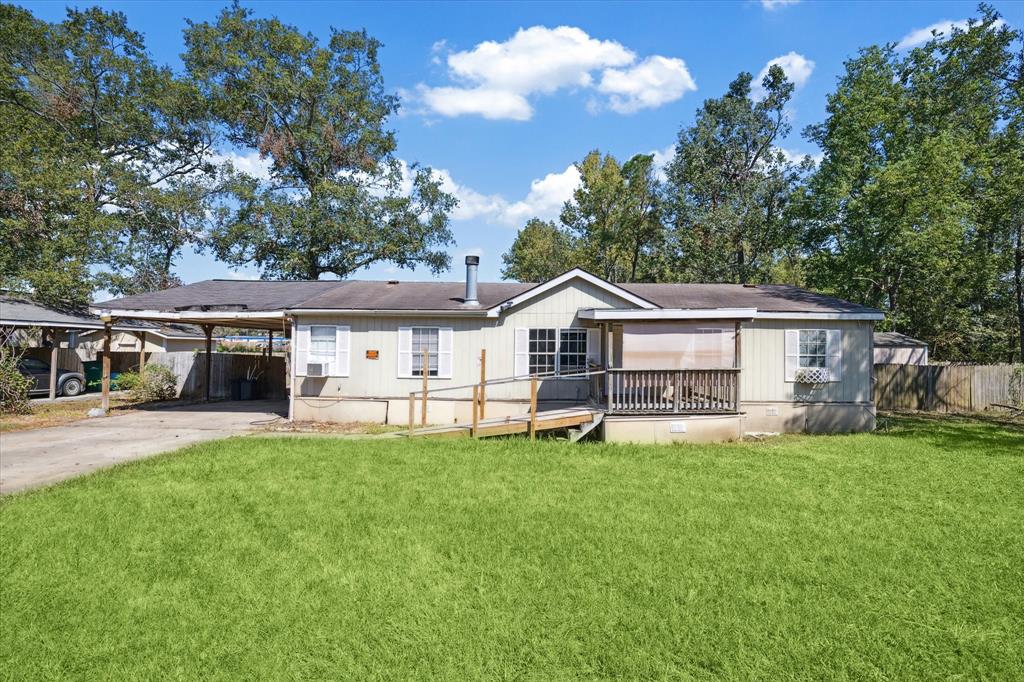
673	391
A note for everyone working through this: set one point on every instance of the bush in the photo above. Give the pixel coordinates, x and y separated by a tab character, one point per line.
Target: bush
156	382
13	384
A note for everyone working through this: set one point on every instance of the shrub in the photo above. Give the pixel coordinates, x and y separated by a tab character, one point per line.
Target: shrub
13	384
156	382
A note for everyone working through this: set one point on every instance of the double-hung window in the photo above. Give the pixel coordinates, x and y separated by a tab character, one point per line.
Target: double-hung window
323	344
555	351
813	351
322	350
437	342
425	339
814	355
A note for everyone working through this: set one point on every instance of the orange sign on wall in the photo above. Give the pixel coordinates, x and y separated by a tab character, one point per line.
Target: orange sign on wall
372	354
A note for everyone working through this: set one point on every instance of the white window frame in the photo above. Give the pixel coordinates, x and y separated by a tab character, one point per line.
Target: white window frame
338	365
833	353
523	363
445	352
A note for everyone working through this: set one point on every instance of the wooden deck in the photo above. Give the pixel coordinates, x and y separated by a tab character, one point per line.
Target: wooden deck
549	420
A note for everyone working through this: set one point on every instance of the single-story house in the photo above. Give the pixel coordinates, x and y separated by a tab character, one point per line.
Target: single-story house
662	362
893	348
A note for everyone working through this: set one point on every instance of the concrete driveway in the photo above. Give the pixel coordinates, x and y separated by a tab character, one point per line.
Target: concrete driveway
36	457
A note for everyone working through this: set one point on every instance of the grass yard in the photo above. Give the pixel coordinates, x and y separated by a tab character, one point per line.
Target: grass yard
882	556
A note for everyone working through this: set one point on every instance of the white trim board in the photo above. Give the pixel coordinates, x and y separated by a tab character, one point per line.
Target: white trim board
668	314
575	273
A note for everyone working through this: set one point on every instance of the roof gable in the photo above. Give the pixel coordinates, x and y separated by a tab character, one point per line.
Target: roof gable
566	277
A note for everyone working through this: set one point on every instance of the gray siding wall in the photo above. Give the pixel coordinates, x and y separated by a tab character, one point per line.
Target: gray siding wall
763	350
379	378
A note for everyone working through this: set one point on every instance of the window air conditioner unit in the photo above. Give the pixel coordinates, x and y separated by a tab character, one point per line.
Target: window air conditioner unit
316	369
812	375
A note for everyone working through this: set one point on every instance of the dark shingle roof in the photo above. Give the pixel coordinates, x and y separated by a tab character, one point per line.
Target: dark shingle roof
781	298
897	340
22	311
259	295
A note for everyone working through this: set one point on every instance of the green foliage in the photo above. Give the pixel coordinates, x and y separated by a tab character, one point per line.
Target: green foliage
103	158
916	207
336	199
813	557
154	383
14	386
729	187
541	251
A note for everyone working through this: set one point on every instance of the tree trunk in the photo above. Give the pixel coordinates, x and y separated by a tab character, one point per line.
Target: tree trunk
1018	284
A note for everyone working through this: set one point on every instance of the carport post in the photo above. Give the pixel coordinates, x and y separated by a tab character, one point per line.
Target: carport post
142	351
107	333
208	330
53	363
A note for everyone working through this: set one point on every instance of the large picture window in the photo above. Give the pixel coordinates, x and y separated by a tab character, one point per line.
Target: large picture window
813	348
425	338
557	351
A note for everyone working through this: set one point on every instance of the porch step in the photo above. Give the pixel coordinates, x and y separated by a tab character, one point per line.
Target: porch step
581	419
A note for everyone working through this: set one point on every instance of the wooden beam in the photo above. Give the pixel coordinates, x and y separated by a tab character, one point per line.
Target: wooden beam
426	375
412	410
208	330
483	382
142	351
533	407
53	363
107	333
476	409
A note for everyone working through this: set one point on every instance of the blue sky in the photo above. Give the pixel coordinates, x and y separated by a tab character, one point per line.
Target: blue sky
503	98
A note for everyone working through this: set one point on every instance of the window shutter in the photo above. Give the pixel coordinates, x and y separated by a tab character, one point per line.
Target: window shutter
792	353
342	352
522	349
834	350
445	343
405	351
301	349
594	346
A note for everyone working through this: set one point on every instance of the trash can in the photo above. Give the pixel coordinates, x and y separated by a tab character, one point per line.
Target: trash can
93	375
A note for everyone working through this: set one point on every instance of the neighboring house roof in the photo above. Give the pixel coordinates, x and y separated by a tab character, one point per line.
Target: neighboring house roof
21	311
897	340
210	296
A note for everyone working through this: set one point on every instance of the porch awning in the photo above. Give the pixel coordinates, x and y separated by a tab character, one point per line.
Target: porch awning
618	314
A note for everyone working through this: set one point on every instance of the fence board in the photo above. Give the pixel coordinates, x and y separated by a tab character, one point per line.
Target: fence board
942	388
190	369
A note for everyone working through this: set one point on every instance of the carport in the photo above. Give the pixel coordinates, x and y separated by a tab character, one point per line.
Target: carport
208	304
19	314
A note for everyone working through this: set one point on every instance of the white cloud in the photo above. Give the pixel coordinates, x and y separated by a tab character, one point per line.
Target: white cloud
651	83
472	204
771	5
662	158
797	67
921	36
486	102
796	157
544	199
496	79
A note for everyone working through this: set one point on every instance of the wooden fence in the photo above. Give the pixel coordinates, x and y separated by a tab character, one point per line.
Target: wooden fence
943	388
189	367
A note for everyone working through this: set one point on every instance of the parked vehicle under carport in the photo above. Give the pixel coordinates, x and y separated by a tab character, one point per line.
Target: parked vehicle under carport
68	383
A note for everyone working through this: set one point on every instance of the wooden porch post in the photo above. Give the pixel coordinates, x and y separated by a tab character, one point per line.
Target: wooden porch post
483	381
107	333
426	374
737	363
533	407
476	410
208	330
53	363
142	351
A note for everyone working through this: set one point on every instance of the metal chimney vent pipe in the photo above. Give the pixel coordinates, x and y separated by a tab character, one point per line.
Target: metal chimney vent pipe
471	266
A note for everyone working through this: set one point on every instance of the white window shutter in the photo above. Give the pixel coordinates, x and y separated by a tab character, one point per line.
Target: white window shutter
405	351
301	349
342	352
834	346
594	346
445	348
522	349
792	353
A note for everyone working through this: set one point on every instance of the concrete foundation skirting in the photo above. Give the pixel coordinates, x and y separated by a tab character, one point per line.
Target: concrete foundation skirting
781	417
707	428
396	410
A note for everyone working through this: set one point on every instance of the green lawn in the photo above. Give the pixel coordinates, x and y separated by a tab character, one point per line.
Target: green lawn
878	556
